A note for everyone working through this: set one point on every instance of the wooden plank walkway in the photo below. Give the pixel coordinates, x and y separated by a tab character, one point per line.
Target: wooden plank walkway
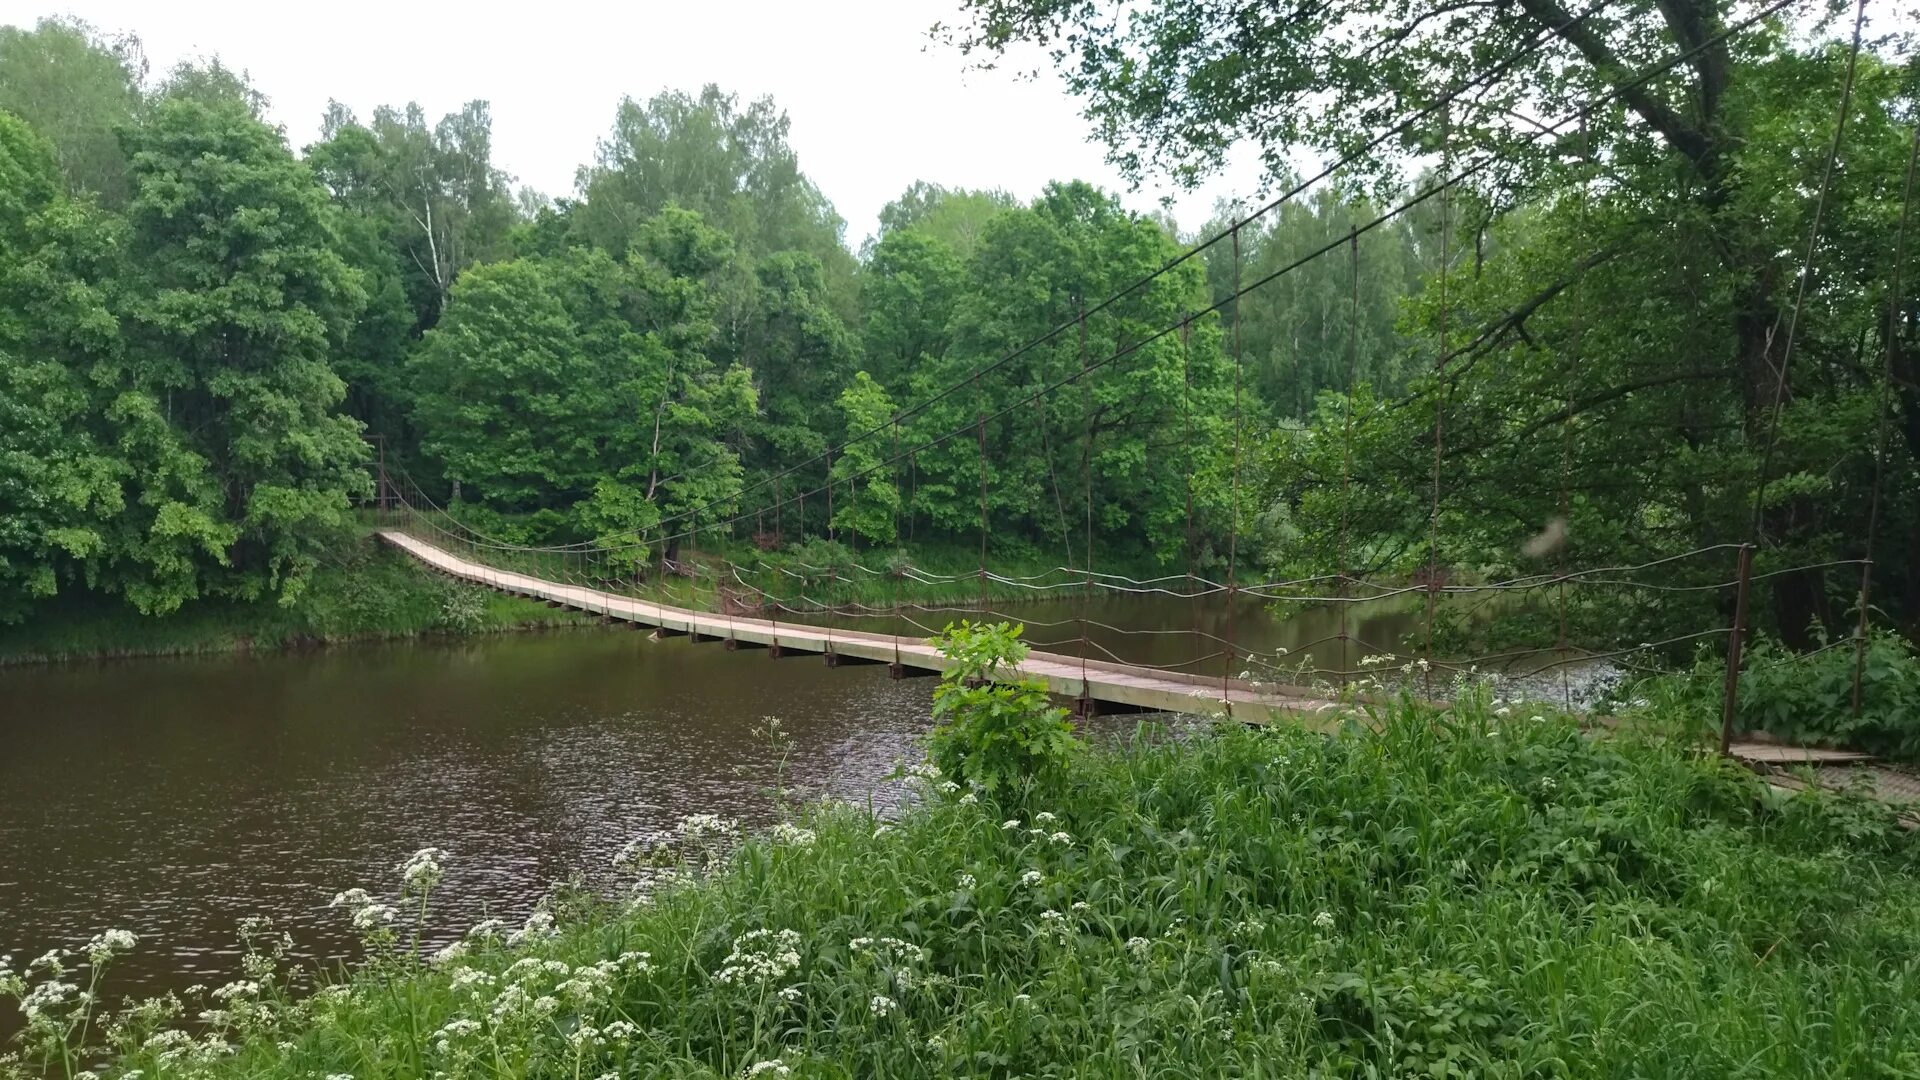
1107	686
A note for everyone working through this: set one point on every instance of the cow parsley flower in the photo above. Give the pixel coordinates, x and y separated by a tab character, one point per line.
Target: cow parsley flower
789	833
422	871
105	945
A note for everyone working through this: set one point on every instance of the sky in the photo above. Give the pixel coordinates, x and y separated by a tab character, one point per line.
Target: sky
875	105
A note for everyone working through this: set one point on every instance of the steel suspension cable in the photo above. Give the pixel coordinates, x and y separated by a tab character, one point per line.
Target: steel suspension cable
1616	91
1530	44
1806	268
1880	442
1346	439
1233	520
1440	402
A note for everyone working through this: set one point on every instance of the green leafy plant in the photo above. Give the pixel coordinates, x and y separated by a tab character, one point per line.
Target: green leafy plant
996	734
1806	698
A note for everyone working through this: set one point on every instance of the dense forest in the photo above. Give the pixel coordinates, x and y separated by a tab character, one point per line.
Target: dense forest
210	341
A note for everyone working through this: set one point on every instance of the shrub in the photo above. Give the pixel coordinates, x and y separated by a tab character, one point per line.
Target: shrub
996	736
1808	698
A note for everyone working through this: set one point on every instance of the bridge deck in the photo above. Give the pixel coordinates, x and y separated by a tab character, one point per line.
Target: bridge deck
1130	688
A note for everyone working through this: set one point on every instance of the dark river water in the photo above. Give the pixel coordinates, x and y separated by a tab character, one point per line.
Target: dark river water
174	797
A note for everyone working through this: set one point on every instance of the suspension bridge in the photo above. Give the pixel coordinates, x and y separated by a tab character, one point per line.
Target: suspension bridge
1095	686
740	605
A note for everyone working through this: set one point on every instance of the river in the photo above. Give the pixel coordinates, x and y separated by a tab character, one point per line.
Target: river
174	797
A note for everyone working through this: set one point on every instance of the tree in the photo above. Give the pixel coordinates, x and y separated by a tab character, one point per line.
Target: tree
435	190
579	384
241	299
953	216
1115	451
1330	321
1705	178
60	478
908	290
875	511
79	89
708	154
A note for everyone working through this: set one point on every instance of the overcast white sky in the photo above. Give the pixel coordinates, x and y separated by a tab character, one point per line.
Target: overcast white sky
874	104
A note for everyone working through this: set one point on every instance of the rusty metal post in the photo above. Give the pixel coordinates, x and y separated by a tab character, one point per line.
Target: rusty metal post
1735	642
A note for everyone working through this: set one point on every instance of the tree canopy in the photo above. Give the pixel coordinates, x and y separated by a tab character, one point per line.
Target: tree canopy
1556	277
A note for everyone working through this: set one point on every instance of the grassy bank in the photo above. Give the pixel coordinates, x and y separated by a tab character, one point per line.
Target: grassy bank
366	591
1452	895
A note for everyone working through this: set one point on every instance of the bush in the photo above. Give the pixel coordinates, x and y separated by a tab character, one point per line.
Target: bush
998	737
1807	699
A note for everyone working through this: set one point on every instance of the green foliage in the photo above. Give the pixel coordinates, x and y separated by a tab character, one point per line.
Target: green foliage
1607	348
1448	895
241	298
79	89
581	381
1121	446
1807	700
995	732
361	591
873	511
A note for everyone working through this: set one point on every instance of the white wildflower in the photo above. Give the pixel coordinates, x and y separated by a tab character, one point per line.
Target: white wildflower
237	988
539	925
766	1068
1045	817
1032	877
788	833
422	871
969	799
466	976
761	956
889	947
1010	824
486	929
450	953
373	915
881	1005
702	827
1324	920
965	880
1060	838
1138	945
104	945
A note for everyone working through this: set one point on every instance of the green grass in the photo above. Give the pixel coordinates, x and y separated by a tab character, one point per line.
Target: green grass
1451	895
367	590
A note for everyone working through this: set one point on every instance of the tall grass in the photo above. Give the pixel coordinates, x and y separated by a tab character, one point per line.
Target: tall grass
1451	894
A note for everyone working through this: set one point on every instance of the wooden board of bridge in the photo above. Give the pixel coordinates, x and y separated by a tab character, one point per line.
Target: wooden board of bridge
1106	686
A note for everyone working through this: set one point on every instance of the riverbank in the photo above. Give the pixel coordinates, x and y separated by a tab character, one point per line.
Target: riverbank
1451	895
367	591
